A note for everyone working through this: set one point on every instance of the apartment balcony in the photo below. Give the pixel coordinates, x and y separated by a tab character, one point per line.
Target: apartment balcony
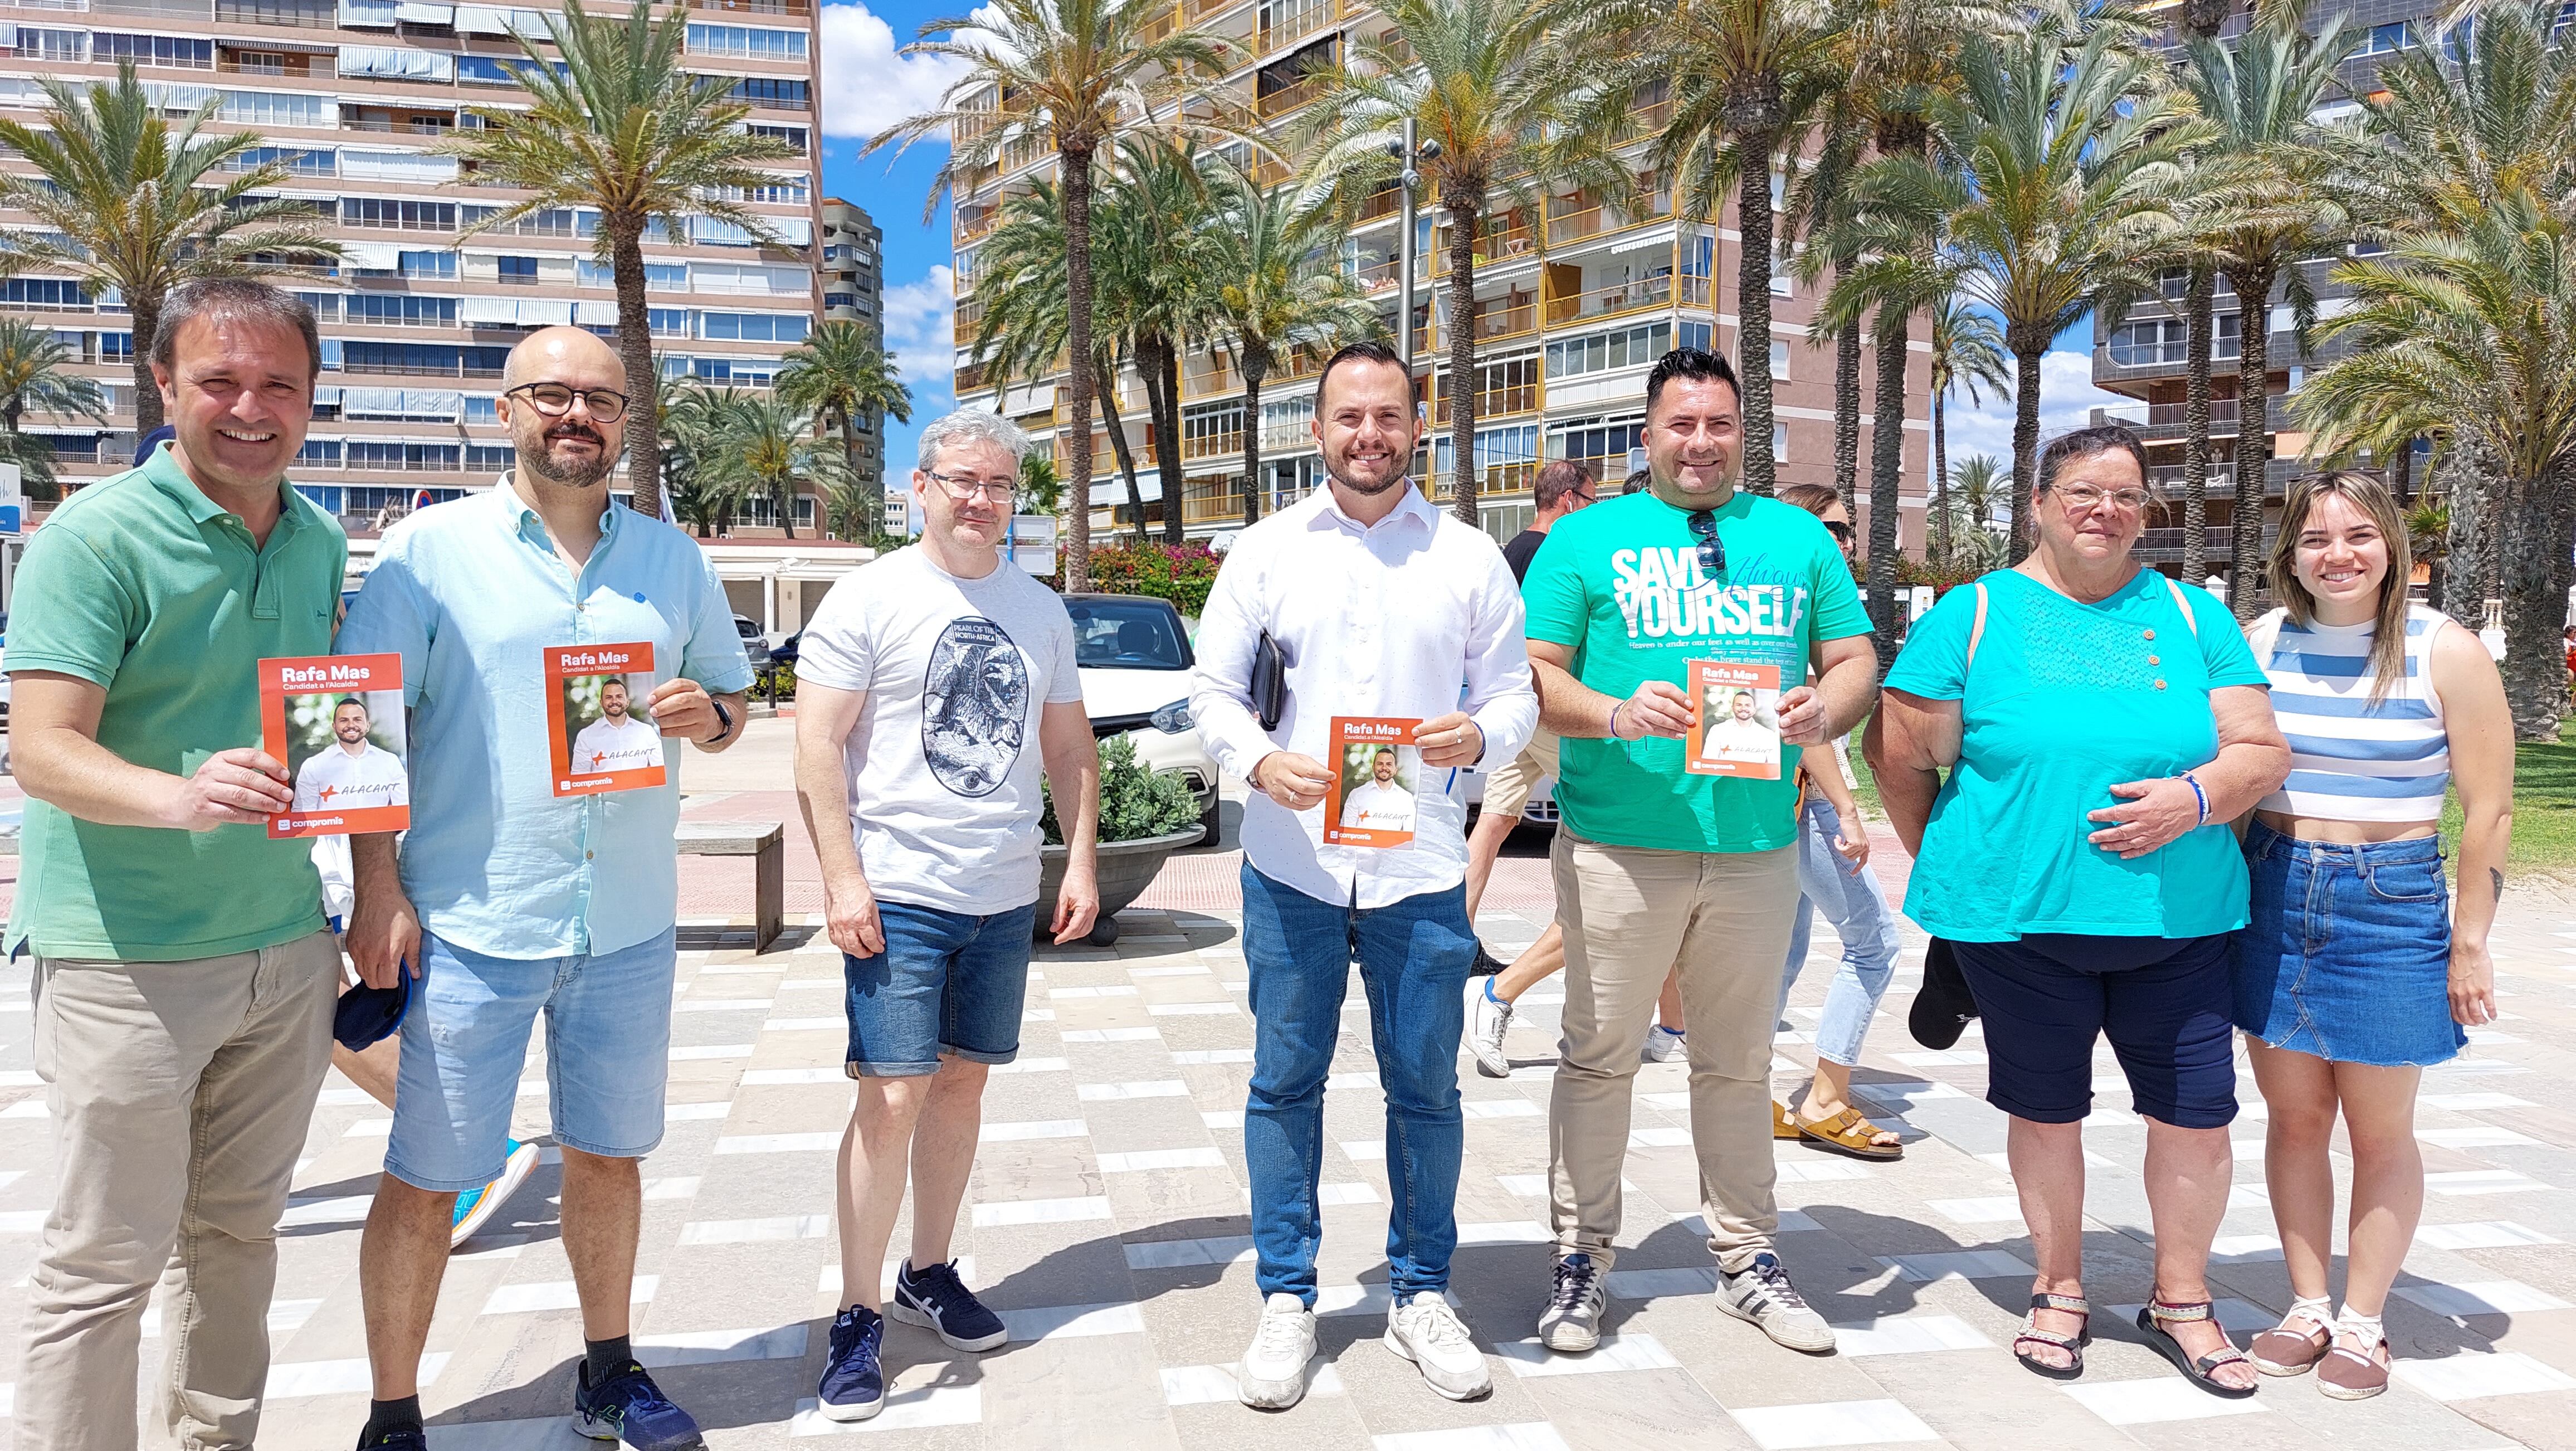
1160	26
1491	403
1631	296
1384	202
973	224
1579	218
1500	480
1211	501
1198	10
1498	320
1269	39
755	7
2165	546
1288	98
1508	238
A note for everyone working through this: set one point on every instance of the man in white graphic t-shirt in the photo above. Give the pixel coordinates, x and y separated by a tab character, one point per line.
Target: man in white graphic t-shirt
353	772
617	741
1380	803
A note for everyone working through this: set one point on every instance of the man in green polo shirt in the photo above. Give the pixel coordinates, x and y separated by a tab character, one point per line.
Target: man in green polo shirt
1660	870
184	978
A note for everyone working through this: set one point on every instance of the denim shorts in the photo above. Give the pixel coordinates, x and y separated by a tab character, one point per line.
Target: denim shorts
2348	956
608	1049
2161	1000
947	982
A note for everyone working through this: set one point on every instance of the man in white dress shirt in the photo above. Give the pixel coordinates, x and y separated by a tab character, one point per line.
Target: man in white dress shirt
1380	803
352	772
617	741
1381	606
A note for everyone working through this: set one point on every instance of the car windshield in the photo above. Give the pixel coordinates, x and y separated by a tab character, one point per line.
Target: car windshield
1127	635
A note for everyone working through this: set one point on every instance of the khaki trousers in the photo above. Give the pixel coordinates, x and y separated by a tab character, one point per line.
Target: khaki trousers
181	1092
1630	915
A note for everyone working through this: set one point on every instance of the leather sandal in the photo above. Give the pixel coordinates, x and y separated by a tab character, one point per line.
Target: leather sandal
2158	1312
1849	1134
1784	1124
2073	1345
2287	1350
2356	1371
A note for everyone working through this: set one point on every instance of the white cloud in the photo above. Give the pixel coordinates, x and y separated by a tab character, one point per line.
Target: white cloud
2067	398
866	86
918	320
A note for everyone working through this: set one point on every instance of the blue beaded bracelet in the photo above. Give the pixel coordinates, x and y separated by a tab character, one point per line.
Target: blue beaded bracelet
2203	796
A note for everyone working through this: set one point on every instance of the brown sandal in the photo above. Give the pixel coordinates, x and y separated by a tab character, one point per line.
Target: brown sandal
1848	1133
2348	1374
1784	1124
2282	1350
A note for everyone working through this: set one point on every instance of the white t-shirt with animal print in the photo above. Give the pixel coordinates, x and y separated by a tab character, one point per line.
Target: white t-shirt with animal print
944	762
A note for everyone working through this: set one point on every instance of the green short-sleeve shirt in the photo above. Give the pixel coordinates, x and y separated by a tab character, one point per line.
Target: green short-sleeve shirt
2061	702
1619	584
142	584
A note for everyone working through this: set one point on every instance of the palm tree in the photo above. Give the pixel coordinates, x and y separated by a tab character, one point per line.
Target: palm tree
1156	242
844	375
1744	76
1277	290
1967	350
1980	488
1076	75
620	125
1505	98
691	421
2052	177
2258	98
32	376
2201	19
767	448
2471	329
132	205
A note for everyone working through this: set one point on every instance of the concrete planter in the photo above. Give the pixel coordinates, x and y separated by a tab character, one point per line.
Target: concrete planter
1127	868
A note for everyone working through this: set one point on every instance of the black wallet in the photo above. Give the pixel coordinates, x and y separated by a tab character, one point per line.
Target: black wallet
1269	682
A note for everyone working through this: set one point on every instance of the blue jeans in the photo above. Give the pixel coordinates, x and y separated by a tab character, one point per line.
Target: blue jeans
947	982
2347	953
1413	960
1853	901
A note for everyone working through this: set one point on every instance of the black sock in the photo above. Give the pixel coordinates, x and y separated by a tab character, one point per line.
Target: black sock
608	1357
384	1417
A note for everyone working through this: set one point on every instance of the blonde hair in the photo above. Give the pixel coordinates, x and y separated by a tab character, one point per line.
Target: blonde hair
2372	499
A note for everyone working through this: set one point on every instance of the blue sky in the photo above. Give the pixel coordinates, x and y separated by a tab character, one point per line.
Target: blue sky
867	87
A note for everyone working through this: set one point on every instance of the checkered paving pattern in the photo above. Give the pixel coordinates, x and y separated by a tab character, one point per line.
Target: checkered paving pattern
1108	1226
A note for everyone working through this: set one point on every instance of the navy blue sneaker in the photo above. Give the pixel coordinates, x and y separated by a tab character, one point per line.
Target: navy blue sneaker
630	1409
937	1298
406	1439
853	1384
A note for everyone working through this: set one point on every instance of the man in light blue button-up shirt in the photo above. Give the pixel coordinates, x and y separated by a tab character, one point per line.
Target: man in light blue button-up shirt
506	899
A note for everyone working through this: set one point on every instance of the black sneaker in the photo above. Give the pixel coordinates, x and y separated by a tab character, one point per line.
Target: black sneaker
409	1438
1486	964
935	1297
1943	1006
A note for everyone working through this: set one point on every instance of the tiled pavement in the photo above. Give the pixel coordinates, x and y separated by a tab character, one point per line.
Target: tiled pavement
1108	1225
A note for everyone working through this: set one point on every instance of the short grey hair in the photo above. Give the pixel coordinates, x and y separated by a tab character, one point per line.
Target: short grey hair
233	299
972	425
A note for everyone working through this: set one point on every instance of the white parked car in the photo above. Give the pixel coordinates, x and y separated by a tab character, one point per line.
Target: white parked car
1135	659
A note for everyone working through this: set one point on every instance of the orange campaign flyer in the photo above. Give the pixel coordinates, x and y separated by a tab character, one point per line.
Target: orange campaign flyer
336	722
597	727
1735	720
1375	769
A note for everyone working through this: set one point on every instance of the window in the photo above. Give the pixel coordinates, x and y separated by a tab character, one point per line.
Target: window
402	310
840	299
1128	635
668	322
1779	360
116	347
1697	335
325	305
408	216
490	458
273	108
1508	457
2394	36
297	160
794	136
407	457
484	70
43	292
2168	341
482	410
1626	347
747	42
158	50
423	359
519	271
1780	442
549	222
1603	443
660	276
781	93
753	327
319	453
309	13
53	45
428	266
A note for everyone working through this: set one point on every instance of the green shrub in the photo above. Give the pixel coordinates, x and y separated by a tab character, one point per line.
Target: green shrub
1181	573
1136	801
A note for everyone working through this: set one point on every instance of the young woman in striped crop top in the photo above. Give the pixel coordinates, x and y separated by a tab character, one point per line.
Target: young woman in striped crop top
2351	977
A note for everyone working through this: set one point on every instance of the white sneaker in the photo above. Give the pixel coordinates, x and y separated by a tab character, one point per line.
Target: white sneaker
1274	1365
1572	1320
1663	1045
1763	1295
1488	1019
1426	1331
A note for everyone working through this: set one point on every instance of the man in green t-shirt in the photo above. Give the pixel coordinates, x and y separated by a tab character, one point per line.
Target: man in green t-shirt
1662	870
184	979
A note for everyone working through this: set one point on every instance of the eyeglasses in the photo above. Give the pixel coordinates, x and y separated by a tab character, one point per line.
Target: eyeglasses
1712	551
1841	531
554	400
2081	497
1586	497
964	488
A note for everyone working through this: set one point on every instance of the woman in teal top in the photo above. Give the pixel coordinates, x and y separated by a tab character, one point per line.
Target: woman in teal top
2101	725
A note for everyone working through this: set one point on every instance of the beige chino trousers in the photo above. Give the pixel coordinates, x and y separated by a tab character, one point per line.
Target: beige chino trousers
1631	915
181	1093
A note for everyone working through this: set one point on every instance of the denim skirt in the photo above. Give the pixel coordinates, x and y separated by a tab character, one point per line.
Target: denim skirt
2348	953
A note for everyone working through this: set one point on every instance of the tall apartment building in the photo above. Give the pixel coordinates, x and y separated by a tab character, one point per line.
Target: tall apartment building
1566	330
853	283
351	95
2145	357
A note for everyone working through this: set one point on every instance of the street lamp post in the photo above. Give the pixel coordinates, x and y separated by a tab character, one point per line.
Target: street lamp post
1408	152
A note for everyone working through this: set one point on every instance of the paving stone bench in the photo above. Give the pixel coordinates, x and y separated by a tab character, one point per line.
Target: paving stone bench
765	842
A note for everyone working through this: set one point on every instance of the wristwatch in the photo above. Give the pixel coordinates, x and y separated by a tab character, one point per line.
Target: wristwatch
722	714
